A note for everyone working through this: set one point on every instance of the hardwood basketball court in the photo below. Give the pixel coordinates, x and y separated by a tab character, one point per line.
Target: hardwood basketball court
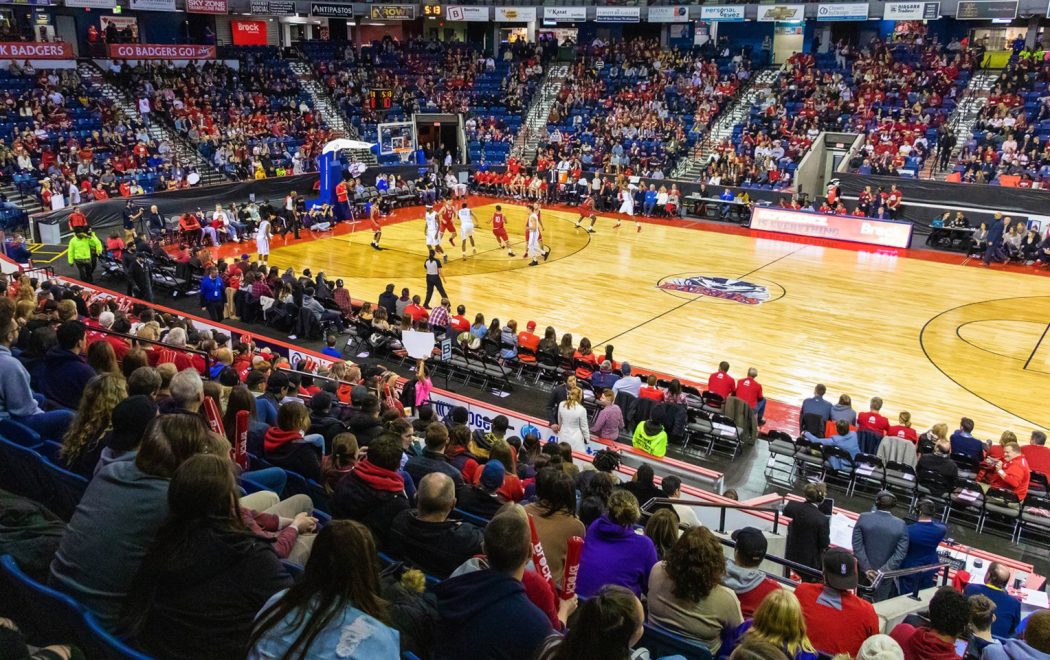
926	334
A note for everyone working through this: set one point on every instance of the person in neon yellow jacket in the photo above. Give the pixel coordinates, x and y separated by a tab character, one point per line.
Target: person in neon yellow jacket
650	437
83	251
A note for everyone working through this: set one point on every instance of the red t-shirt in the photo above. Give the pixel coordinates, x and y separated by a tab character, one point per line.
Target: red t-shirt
78	220
837	631
459	323
905	432
749	390
750	600
721	383
873	421
417	312
654	393
1038	458
498	221
340	192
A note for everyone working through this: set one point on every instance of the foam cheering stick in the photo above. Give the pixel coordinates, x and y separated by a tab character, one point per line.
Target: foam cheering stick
539	560
572	567
211	413
240	449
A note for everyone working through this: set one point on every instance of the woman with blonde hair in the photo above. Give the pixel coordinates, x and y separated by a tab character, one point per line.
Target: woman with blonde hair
572	419
903	428
81	445
937	434
779	621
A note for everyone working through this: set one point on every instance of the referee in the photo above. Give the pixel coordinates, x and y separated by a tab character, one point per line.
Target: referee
433	267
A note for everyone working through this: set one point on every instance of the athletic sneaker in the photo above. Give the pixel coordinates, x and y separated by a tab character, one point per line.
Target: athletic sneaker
446	258
511	253
638	227
591	230
546	254
617	225
533	263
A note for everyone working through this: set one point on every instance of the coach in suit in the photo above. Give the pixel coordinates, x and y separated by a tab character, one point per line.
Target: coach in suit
994	251
880	542
809	533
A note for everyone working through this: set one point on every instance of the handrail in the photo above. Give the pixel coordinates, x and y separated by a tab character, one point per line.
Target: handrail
801	569
942	567
775	509
133	339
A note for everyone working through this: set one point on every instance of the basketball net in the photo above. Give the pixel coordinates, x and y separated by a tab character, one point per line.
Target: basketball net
404	153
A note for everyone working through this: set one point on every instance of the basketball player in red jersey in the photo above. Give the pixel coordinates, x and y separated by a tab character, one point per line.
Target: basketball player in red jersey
586	209
373	217
448	221
499	230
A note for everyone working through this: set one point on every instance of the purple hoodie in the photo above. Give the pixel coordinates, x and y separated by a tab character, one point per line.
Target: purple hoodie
614	554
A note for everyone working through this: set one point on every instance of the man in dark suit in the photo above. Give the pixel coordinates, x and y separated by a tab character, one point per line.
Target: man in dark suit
809	533
880	542
994	251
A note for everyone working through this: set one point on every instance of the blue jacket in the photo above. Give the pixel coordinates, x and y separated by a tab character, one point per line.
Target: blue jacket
995	232
848	442
817	406
212	290
108	536
486	614
964	443
1007	608
64	376
16	397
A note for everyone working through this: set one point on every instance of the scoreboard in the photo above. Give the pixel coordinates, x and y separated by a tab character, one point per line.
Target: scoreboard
380	99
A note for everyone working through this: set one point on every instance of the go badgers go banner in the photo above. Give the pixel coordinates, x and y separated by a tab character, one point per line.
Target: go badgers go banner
161	52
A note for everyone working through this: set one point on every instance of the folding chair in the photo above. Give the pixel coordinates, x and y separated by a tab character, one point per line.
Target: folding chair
1003	505
868	470
781	444
809	456
967	497
900	480
1035	514
842	476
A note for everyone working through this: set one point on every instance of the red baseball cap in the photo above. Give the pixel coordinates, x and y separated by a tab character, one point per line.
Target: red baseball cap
531	325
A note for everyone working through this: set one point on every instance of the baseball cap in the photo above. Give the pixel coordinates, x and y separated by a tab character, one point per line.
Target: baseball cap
750	543
530	431
492	475
531	325
840	569
358	394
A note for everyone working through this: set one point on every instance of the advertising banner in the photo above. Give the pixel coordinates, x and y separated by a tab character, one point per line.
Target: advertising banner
565	14
33	50
161	52
911	11
984	10
617	14
206	7
248	33
282	7
153	5
467	14
847	11
720	14
835	227
92	4
330	10
672	14
392	12
515	14
792	13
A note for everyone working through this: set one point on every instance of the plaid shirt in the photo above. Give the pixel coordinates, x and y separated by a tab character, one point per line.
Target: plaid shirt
439	317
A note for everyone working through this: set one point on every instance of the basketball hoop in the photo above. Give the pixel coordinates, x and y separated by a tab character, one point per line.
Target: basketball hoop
404	153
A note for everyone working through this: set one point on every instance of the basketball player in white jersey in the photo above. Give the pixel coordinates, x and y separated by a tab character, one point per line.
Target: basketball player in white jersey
627	207
262	239
466	228
534	236
433	233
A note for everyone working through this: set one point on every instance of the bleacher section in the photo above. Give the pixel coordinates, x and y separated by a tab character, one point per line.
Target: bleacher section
630	106
250	122
1008	145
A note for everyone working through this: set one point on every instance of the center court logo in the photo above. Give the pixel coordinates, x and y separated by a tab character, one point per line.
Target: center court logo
725	288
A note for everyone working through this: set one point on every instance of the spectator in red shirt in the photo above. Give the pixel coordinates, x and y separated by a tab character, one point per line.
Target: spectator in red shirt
77	219
650	390
527	339
416	310
903	428
1037	454
720	382
750	391
743	575
459	322
949	619
1012	473
838	621
872	420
